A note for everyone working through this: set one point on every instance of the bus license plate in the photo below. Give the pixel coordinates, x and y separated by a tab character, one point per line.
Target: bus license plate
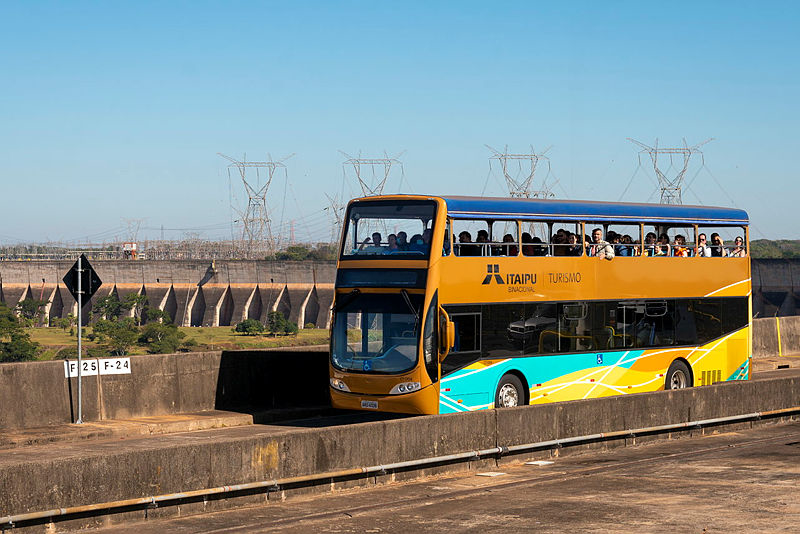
372	405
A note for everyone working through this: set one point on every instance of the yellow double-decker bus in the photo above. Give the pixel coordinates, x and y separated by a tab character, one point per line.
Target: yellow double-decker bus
448	304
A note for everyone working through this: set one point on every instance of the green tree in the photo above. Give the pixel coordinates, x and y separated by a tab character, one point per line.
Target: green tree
154	315
136	302
15	343
107	308
161	338
118	335
278	324
32	310
249	327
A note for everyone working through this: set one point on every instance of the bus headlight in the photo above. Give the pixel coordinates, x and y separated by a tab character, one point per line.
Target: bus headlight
405	387
339	384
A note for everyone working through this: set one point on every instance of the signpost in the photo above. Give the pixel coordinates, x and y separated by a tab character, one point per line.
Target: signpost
82	282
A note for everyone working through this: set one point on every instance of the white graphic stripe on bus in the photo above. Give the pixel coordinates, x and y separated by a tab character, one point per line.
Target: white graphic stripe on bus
610	368
582	379
726	287
450	403
448	379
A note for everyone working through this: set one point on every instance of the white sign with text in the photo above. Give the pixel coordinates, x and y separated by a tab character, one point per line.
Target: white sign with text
105	366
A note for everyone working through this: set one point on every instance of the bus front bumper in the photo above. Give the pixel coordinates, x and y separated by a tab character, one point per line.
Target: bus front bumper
424	401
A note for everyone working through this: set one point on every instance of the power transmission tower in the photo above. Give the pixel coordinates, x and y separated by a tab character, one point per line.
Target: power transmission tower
256	228
133	228
671	188
335	209
520	184
372	184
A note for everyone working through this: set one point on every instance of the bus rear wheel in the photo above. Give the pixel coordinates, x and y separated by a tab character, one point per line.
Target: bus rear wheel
509	392
678	376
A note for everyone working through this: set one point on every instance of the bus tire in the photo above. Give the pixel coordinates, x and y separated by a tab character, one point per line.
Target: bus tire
510	392
678	376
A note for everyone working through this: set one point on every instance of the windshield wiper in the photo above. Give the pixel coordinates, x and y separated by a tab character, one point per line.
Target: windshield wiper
347	299
411	307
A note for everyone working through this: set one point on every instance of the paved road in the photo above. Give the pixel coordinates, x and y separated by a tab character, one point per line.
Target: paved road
732	482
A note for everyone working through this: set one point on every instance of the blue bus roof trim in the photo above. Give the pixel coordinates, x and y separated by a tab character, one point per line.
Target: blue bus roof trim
540	209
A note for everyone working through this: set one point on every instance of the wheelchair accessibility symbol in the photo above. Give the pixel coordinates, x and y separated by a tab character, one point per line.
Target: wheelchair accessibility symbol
600	359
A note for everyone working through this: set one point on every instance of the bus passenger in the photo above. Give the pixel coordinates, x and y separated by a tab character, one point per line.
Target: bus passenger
560	243
679	249
650	244
509	250
374	246
392	248
417	244
718	249
627	241
538	248
402	240
600	248
703	250
527	248
664	248
482	237
738	250
465	246
573	248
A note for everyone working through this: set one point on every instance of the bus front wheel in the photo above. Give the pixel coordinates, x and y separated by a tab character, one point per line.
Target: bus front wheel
678	376
509	392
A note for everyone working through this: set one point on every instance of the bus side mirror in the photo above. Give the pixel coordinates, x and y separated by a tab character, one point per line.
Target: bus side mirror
447	334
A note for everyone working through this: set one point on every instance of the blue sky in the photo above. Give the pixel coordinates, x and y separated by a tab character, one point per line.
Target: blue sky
113	110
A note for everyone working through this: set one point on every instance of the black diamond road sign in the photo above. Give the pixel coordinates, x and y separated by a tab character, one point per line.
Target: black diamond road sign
90	282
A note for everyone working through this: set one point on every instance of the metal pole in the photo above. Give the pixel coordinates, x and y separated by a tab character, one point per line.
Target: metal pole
80	320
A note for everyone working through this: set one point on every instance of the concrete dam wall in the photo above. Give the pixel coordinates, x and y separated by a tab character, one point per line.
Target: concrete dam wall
192	293
222	293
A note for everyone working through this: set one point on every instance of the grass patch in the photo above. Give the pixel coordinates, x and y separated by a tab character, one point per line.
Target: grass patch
51	340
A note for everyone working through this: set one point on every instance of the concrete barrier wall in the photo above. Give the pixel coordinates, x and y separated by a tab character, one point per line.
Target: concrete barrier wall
83	475
37	394
768	342
253	381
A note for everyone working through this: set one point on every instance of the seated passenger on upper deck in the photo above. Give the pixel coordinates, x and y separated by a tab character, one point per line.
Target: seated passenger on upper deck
417	244
373	247
509	250
738	249
392	248
573	249
600	248
482	237
465	246
650	247
679	249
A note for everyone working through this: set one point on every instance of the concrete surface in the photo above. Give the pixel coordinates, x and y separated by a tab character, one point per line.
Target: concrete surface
745	481
41	477
36	394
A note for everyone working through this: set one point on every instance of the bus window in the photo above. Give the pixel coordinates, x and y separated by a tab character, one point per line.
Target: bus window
497	318
565	239
389	228
625	239
535	238
472	237
377	333
721	241
503	238
467	346
538	320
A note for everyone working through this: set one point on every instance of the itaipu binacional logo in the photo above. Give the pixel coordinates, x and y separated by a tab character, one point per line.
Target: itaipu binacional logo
514	282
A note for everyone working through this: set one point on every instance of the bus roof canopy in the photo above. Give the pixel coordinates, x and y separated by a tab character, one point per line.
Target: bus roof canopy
555	210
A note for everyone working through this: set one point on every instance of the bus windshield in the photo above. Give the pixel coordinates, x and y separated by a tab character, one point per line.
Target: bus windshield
389	228
377	333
